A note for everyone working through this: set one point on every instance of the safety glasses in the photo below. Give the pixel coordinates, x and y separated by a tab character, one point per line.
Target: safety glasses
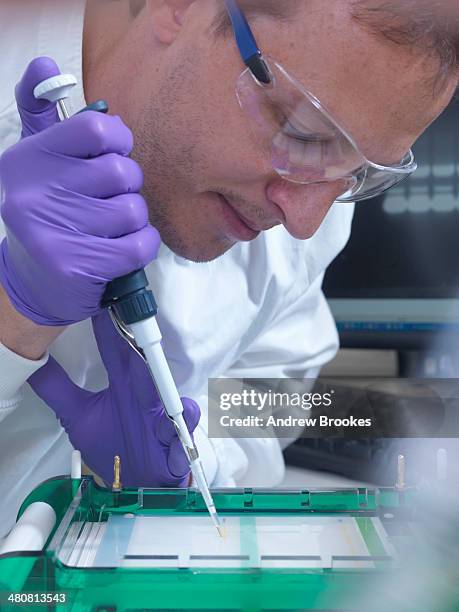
306	144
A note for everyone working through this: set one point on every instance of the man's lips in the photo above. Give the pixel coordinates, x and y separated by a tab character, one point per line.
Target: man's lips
255	227
251	224
234	227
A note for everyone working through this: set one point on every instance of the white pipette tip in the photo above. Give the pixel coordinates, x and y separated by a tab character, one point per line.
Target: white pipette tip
214	516
216	521
201	483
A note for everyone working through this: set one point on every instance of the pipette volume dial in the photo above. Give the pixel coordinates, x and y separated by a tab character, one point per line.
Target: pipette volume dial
56	89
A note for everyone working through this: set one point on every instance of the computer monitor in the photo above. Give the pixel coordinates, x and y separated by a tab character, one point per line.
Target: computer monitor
396	285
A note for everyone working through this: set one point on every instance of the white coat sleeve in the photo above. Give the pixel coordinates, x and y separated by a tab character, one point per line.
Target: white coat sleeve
14	372
300	340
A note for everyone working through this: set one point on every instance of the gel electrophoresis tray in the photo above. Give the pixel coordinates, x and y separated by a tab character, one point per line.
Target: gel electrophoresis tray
251	541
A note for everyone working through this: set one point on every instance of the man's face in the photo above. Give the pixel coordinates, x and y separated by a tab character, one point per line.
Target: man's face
209	181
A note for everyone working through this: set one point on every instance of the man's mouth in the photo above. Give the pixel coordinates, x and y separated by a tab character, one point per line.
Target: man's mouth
239	226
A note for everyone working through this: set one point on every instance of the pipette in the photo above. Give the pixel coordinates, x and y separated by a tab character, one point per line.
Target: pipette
133	311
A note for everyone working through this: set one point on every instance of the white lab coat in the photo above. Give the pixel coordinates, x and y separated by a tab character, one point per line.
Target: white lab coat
258	311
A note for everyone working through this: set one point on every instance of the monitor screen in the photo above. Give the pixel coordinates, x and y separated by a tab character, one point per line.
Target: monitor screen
396	285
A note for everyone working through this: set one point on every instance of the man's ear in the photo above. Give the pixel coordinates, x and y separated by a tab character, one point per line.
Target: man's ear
167	17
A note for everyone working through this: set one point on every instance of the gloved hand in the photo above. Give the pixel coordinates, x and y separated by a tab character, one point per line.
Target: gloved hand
71	206
127	419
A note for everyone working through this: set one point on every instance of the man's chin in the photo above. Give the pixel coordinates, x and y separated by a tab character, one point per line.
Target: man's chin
203	252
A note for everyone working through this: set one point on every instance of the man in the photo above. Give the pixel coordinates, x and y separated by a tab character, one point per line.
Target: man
245	211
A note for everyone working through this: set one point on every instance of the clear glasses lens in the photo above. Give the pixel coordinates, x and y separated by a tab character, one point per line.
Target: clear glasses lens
307	146
371	183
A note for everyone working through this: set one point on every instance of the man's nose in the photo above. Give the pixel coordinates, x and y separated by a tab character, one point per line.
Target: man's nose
304	207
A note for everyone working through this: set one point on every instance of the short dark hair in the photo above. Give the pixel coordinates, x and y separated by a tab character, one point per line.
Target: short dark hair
412	23
422	24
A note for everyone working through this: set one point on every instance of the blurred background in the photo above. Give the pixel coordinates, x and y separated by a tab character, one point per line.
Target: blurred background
394	292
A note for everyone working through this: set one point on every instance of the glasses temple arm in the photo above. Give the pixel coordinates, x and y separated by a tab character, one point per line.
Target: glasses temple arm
248	48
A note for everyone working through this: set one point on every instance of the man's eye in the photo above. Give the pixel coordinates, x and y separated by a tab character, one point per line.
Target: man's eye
293	132
298	133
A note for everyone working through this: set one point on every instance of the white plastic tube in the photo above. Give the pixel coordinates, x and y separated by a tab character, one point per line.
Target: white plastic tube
75	472
32	530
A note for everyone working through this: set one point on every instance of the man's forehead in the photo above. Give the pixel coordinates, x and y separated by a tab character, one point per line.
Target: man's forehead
382	94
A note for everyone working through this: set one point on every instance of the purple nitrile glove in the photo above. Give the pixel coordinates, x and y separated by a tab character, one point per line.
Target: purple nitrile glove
72	210
36	115
127	419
